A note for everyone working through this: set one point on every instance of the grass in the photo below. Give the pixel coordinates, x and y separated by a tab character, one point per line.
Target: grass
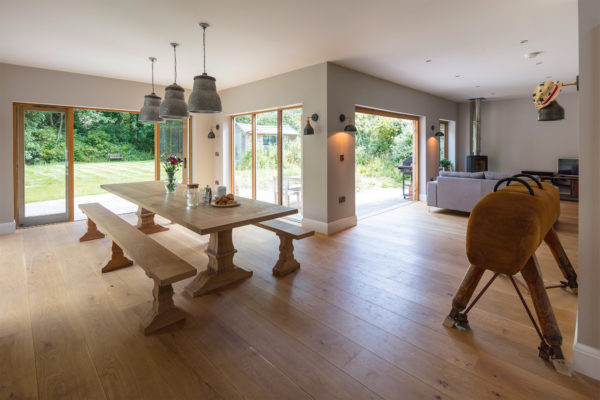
47	182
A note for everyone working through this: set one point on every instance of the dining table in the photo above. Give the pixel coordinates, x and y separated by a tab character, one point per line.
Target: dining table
204	219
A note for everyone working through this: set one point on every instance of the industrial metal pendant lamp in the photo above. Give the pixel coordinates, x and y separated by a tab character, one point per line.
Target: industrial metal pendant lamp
150	109
174	106
204	98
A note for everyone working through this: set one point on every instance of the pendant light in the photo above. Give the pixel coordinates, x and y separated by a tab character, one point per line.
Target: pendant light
204	98
149	111
174	106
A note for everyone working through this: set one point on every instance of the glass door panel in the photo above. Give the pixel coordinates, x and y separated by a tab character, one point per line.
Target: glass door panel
43	178
266	157
173	135
242	156
291	186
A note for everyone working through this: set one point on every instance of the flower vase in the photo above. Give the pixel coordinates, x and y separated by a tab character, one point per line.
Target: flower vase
170	184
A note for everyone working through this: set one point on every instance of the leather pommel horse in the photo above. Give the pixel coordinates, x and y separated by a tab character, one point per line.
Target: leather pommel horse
505	229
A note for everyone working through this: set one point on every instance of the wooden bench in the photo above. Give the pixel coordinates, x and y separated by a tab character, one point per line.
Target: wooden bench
287	233
114	156
159	263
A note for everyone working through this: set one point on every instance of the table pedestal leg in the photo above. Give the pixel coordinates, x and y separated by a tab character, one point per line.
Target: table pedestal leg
146	222
92	232
221	270
163	312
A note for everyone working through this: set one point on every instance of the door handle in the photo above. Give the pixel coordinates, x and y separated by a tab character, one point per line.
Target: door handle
184	162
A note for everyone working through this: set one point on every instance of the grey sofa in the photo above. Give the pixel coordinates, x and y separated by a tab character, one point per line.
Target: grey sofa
461	190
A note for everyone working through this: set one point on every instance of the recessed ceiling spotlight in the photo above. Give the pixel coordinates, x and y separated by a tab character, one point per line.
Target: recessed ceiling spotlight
539	63
428	60
493	93
524	41
457	76
533	54
549	77
477	86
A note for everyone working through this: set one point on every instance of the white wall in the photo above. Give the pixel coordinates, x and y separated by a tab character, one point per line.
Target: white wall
345	90
586	353
34	85
306	87
514	140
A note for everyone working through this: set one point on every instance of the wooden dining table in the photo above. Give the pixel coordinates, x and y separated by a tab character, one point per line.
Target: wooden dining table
219	223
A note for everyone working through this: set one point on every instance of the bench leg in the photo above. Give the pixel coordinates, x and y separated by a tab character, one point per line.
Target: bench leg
146	222
92	232
163	312
462	297
562	259
117	259
221	270
286	263
533	276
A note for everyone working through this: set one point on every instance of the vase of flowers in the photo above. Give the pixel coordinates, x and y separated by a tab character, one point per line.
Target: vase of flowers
171	165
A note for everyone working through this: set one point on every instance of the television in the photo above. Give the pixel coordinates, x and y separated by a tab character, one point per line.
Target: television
568	166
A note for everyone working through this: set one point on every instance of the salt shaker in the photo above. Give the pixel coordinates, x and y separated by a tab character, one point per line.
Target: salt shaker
207	196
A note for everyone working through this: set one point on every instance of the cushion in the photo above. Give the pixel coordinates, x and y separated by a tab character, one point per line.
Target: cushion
495	175
456	174
506	227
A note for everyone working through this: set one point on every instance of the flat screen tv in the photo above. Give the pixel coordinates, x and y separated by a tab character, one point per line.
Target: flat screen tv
568	166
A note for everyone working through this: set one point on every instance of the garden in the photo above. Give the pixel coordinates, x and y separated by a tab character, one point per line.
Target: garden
381	144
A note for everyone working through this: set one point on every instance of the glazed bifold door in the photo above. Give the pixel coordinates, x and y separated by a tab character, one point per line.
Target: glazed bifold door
42	164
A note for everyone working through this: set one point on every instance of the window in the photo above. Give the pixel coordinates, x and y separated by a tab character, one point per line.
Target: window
266	156
444	139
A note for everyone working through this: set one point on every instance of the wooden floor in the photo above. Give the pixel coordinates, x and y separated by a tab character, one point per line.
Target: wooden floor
362	319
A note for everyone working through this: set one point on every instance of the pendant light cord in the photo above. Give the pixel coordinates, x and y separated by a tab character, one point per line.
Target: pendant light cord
204	46
175	57
152	76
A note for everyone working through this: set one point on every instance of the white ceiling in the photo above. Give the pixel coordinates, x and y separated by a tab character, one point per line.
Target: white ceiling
250	40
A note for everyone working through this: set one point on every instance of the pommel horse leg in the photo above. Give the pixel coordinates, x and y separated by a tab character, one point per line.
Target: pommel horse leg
462	297
562	260
551	333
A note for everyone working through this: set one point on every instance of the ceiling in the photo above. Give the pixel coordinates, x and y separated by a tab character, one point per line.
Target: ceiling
474	45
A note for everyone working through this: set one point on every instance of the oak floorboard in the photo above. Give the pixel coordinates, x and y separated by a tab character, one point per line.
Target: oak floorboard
362	318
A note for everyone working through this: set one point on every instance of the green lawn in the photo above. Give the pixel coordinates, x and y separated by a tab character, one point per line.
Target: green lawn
47	182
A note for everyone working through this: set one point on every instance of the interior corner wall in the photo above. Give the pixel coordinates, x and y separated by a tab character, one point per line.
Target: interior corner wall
306	87
347	89
586	352
42	86
514	140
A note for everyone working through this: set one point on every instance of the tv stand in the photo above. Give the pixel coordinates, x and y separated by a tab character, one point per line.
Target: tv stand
567	185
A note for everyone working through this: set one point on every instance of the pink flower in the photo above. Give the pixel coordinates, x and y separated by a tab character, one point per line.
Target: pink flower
173	162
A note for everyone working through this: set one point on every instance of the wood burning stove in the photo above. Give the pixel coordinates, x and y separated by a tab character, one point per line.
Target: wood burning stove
477	163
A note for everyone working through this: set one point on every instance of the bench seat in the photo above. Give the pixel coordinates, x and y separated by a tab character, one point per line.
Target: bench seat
159	263
287	233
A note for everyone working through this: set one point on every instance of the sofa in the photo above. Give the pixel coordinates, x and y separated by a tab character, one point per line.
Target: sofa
460	191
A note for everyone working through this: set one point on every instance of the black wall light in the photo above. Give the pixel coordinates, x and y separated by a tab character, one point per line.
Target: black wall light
438	134
308	129
350	128
211	134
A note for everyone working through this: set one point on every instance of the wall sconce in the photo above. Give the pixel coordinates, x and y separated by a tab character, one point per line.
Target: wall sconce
439	134
308	129
350	128
211	134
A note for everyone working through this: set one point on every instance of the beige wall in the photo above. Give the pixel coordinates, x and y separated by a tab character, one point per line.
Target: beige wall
514	140
345	90
34	85
586	354
329	90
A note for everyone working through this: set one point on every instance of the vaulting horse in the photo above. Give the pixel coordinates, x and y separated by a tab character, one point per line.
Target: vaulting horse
505	228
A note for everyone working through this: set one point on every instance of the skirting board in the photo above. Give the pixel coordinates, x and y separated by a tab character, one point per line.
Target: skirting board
329	228
7	227
586	360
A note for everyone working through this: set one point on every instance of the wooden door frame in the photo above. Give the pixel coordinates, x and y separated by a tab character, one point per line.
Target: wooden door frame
18	169
416	137
254	135
18	110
